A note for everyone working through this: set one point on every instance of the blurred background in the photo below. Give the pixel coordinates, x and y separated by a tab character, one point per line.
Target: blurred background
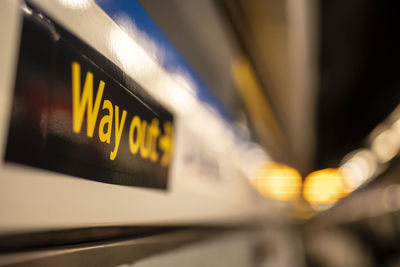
312	87
316	83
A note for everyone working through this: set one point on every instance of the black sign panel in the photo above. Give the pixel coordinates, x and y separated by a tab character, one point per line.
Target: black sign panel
77	113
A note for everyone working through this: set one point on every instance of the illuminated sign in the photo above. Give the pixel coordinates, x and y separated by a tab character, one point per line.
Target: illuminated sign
77	113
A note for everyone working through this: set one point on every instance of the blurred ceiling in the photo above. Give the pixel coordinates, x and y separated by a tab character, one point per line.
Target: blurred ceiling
310	79
360	81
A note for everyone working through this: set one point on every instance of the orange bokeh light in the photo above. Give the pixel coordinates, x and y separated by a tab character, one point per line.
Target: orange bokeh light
278	181
324	187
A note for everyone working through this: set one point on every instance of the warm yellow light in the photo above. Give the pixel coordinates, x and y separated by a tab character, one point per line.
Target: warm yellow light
324	187
386	145
359	166
278	181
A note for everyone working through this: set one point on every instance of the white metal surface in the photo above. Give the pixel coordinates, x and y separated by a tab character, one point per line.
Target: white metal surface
34	199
